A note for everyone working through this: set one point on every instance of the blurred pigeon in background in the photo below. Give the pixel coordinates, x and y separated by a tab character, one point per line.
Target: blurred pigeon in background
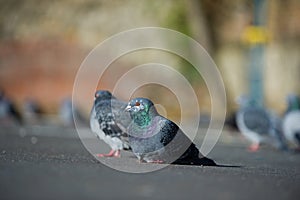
109	121
155	139
259	125
32	111
67	113
8	111
291	121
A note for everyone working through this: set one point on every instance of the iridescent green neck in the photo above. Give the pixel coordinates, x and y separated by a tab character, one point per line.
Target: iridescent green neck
142	118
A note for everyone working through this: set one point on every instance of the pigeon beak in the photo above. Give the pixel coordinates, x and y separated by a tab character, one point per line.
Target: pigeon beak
128	108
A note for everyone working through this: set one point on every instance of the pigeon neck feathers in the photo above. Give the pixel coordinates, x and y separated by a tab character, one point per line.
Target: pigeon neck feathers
144	117
142	111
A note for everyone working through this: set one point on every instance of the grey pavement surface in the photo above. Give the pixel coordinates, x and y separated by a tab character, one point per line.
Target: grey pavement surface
41	166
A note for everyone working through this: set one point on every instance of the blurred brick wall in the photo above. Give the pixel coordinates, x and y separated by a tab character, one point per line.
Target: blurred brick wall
42	69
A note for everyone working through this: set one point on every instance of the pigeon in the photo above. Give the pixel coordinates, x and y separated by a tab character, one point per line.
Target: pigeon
291	121
109	121
259	125
66	113
155	139
8	111
32	111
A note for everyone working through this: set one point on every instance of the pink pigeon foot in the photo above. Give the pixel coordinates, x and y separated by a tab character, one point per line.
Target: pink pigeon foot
112	153
253	147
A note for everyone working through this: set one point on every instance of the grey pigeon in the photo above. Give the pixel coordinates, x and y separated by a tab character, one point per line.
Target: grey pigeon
32	111
155	139
109	121
8	111
258	125
67	112
291	121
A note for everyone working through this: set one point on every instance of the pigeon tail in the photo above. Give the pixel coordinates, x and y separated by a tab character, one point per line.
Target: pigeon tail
196	161
191	157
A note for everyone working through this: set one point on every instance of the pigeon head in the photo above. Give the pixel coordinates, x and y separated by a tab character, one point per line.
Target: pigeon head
141	110
103	95
139	105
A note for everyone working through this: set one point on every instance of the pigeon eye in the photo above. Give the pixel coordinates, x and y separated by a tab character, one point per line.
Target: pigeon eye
137	103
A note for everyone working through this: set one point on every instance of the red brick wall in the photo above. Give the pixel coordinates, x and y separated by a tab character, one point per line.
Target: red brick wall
43	69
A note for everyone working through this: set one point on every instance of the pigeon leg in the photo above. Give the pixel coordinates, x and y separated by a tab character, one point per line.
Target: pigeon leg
117	154
253	147
112	153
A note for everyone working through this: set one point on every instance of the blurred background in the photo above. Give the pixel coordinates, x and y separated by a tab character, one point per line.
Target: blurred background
255	44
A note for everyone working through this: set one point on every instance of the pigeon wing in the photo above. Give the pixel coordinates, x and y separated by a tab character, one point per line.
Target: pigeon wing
106	120
257	120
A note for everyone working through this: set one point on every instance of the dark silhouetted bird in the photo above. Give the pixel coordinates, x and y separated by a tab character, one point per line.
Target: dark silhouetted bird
8	111
109	121
155	139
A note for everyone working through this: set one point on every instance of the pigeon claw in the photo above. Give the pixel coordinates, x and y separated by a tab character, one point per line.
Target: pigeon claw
112	153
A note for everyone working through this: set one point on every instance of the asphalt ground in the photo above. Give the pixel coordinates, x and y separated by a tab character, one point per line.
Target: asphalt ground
43	163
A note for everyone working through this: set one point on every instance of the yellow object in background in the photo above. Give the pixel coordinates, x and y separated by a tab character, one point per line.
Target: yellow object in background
255	35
